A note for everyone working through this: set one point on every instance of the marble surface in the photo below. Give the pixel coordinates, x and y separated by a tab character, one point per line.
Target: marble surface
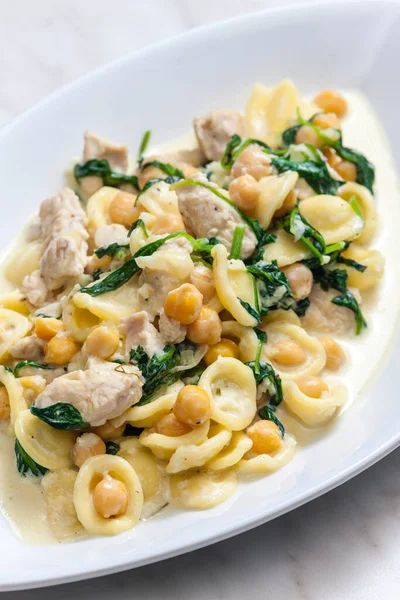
343	546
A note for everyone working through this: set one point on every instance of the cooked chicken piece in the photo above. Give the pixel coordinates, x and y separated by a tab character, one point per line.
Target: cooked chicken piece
48	375
101	392
35	289
64	235
194	157
109	234
214	131
323	316
30	347
97	147
138	331
171	330
207	215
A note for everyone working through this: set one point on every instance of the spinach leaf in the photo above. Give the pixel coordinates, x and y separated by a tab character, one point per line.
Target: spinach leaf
143	146
202	250
237	241
300	307
268	414
261	335
155	370
61	415
30	363
101	168
347	300
164	167
25	464
316	174
289	135
266	371
352	263
252	311
273	286
112	250
112	448
301	229
235	147
132	431
138	223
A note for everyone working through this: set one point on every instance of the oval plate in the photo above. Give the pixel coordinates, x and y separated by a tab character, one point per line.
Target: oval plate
162	88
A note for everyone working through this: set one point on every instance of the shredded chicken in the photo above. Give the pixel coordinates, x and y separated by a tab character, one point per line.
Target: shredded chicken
101	392
323	316
138	331
207	215
171	330
101	148
35	289
214	131
30	347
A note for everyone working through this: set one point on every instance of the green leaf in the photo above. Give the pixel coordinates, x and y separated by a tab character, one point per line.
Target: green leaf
352	263
237	241
316	174
131	431
261	335
272	285
235	147
61	416
252	311
138	223
166	168
355	206
30	363
348	301
301	229
266	371
155	370
301	306
143	146
25	464
267	413
111	250
289	135
101	168
112	448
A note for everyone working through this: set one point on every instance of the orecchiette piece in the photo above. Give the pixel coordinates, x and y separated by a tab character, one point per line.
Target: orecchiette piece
292	351
367	204
173	260
16	397
163	446
138	238
253	464
49	447
280	316
15	301
111	306
24	262
273	191
232	389
93	470
159	200
232	281
239	445
198	490
191	456
333	217
314	412
285	250
245	336
148	414
98	208
13	326
372	259
58	488
79	321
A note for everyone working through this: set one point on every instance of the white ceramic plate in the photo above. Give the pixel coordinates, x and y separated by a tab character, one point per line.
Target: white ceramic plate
340	45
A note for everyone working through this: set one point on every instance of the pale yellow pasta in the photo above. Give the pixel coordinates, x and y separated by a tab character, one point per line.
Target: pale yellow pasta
78	322
367	205
92	471
138	238
314	412
199	490
232	281
254	464
280	316
163	446
13	326
192	456
245	336
58	490
151	475
285	250
239	445
159	200
333	217
15	301
312	349
16	397
148	414
24	262
111	306
173	260
372	259
98	208
232	389
49	447
273	191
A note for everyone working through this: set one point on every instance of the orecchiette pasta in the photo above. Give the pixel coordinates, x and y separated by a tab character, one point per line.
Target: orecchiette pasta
15	393
111	306
333	217
285	250
13	326
371	259
246	337
201	490
159	200
90	474
58	488
25	262
273	191
366	203
314	412
148	414
232	390
163	446
98	208
239	445
280	316
191	456
253	464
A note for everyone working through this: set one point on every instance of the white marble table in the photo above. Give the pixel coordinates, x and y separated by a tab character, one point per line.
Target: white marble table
343	546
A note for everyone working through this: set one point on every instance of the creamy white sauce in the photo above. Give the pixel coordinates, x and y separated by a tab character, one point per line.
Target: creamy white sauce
22	501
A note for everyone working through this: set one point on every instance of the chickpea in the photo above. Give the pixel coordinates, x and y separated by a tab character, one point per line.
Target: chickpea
288	204
4	404
300	280
347	170
226	348
265	436
168	223
188	170
252	161
288	353
102	342
183	304
169	425
307	135
47	328
312	386
203	279
331	156
326	121
87	445
108	431
243	191
149	172
110	497
206	329
335	355
95	262
331	101
122	209
192	406
60	350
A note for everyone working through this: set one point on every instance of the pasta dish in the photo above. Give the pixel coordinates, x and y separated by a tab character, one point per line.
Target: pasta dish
173	322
